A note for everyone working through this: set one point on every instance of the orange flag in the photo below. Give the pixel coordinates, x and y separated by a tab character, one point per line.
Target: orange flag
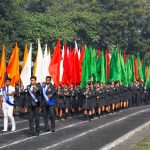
13	66
25	56
2	68
35	65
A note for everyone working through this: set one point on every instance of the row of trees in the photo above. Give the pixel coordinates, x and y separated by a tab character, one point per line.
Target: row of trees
100	23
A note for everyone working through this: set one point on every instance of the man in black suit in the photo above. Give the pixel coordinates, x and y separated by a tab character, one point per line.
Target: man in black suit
49	92
34	92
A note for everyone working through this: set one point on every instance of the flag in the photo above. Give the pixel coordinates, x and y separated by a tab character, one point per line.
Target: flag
54	68
35	64
26	71
140	72
147	83
100	66
86	65
13	66
66	66
107	58
25	56
123	70
2	68
77	78
93	65
81	60
46	63
113	68
39	65
61	65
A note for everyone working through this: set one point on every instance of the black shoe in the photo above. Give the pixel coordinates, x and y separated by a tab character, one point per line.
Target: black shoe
37	134
53	129
89	118
47	130
66	116
31	134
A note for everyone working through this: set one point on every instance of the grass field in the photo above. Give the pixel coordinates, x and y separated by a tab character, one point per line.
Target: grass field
144	144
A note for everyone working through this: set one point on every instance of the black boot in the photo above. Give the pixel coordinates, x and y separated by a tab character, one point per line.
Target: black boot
89	117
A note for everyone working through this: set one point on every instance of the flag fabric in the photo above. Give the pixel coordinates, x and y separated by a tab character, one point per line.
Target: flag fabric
13	66
147	83
86	65
54	68
2	68
66	66
113	68
46	63
76	63
25	56
123	70
39	64
107	61
35	64
61	64
100	67
26	71
140	72
93	65
81	60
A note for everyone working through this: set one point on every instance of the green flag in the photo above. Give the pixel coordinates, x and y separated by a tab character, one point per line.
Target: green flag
140	72
101	72
86	72
93	64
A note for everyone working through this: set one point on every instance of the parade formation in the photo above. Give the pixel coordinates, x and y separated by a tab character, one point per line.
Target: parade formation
106	90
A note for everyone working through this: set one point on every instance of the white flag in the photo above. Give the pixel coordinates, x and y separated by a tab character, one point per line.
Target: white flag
46	63
39	67
26	72
61	65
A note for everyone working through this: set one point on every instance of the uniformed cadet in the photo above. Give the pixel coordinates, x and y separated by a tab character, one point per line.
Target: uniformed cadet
114	96
79	97
34	93
99	96
22	101
67	100
48	102
88	105
93	98
72	93
7	93
108	98
60	96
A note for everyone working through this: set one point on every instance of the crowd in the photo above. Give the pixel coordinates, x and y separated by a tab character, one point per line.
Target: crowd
46	100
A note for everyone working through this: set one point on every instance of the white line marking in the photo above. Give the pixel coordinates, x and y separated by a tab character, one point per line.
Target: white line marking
124	137
16	142
19	141
95	129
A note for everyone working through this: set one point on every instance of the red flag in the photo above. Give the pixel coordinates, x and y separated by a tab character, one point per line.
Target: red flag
71	62
107	64
124	57
66	72
81	60
136	71
76	63
54	68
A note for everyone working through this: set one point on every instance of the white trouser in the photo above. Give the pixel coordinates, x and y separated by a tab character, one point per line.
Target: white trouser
8	112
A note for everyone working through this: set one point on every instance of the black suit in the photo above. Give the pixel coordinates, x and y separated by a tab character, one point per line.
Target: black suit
33	107
48	109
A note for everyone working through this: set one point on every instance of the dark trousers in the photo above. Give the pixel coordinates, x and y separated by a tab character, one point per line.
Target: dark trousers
34	117
49	112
